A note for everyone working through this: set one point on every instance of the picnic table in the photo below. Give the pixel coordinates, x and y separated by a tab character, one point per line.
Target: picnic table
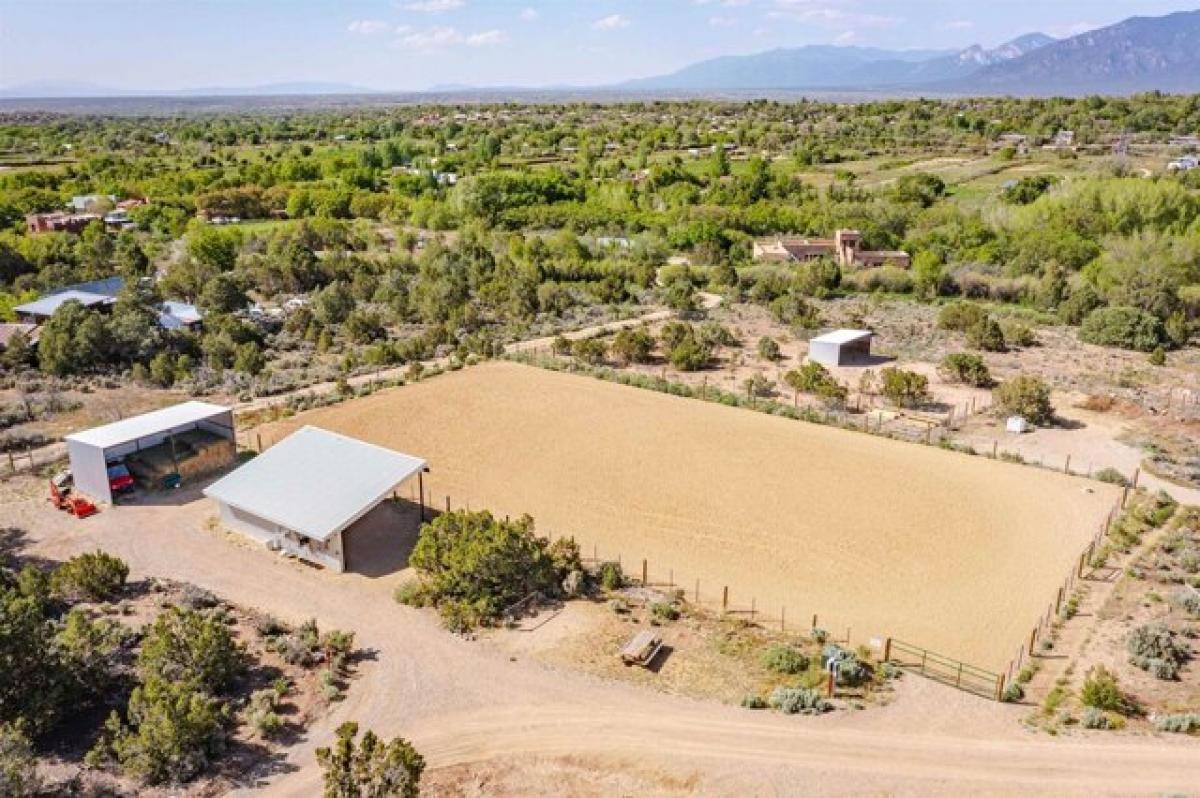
642	649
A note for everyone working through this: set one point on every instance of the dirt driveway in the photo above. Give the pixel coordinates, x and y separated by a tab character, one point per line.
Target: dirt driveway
491	725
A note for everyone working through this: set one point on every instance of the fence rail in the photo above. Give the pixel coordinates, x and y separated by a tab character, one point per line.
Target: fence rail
944	669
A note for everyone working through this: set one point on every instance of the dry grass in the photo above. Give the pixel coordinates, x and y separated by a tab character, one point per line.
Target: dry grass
955	553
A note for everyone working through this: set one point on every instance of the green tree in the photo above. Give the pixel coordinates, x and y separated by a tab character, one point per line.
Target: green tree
966	368
813	378
73	340
94	576
1124	327
186	645
223	294
633	345
987	335
370	768
18	764
768	349
1026	396
904	388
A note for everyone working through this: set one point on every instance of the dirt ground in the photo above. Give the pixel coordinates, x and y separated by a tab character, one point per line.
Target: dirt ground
875	536
493	723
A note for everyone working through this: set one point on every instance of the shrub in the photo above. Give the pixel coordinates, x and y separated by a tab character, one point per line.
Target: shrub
18	764
1158	357
1189	601
172	732
813	378
851	672
663	611
1101	691
633	346
782	658
904	388
1017	333
1013	693
1154	648
1112	476
261	714
187	646
1097	719
754	702
798	700
1124	327
1027	396
92	577
986	335
370	767
768	349
611	576
960	316
477	565
966	368
1183	723
689	355
589	350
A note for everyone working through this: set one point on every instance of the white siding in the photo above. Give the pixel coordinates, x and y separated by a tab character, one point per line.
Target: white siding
330	555
90	470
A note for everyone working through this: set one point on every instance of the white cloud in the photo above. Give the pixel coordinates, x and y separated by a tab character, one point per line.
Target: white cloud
368	26
440	37
613	22
959	24
722	22
433	6
529	14
829	16
723	3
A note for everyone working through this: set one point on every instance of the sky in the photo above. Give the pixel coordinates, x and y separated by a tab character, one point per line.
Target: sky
404	45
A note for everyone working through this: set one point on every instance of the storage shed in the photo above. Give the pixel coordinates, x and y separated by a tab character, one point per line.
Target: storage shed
841	347
301	495
160	441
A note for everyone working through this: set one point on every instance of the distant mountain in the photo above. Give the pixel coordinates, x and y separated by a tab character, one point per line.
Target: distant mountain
58	89
1139	54
829	67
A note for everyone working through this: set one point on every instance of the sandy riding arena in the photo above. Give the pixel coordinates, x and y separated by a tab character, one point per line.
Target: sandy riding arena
959	554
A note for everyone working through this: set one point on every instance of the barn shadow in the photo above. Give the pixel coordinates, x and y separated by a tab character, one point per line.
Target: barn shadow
380	543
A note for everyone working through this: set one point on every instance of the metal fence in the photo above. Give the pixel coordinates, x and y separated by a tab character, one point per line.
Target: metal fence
947	670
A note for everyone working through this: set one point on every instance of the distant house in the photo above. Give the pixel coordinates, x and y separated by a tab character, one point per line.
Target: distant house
1063	140
102	295
10	330
613	242
1186	142
87	202
845	248
58	222
162	137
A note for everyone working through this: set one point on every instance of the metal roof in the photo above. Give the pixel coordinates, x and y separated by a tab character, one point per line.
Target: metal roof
315	482
842	337
143	426
47	305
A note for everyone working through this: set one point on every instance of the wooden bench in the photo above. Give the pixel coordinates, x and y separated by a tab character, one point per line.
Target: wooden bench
642	649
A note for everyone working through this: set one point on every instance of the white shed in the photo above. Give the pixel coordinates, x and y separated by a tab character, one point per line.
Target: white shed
840	347
300	495
92	450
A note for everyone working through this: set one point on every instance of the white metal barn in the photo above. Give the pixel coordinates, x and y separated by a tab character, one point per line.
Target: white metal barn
300	495
92	450
840	347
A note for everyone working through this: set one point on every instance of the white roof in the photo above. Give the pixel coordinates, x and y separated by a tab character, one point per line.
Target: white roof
315	482
147	424
47	305
842	337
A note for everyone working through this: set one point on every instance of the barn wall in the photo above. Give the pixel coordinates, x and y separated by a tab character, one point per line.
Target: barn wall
90	470
328	555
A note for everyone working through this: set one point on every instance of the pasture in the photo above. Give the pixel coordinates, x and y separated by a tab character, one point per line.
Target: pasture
955	553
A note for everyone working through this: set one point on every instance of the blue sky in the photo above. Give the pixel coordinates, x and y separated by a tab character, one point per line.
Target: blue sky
414	44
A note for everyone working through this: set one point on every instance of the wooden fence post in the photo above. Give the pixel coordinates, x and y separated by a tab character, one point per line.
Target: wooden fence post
783	618
1058	602
1000	687
1137	472
887	650
1033	638
1067	467
995	445
814	621
724	598
697	591
645	570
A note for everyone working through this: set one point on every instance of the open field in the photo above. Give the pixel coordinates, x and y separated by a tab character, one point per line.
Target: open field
954	553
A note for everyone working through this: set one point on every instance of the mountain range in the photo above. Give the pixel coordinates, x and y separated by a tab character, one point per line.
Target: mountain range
1138	54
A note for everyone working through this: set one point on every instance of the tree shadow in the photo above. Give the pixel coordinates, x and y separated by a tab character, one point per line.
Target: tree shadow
381	542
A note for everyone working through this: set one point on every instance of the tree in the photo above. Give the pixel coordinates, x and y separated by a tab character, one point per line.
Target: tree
172	731
223	294
589	350
966	368
987	335
249	359
1124	327
813	378
18	764
34	687
768	349
1025	396
186	645
633	345
904	388
94	576
472	565
370	768
333	303
74	339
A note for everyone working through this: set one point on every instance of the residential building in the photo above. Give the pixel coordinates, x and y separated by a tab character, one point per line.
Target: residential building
845	248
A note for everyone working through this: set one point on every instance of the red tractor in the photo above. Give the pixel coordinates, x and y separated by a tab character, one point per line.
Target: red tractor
61	498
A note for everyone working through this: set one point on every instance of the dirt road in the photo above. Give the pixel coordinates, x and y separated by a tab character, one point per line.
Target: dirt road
471	709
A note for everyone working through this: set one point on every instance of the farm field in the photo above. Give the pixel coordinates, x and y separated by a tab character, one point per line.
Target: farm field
954	553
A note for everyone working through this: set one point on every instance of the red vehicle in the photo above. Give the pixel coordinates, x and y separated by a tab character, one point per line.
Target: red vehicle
119	478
